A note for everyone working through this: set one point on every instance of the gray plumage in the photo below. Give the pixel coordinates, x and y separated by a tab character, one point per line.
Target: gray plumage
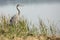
15	18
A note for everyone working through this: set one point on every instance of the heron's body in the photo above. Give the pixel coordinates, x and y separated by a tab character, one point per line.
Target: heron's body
15	18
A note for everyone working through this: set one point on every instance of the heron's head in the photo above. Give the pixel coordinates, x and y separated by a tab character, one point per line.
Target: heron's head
17	5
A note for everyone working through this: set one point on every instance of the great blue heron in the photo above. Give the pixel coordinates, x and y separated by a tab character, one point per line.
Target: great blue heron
15	18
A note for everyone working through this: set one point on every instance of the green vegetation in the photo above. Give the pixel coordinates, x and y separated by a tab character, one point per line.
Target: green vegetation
21	29
43	27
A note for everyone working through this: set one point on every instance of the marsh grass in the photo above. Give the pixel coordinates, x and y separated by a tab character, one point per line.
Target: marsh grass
43	27
21	29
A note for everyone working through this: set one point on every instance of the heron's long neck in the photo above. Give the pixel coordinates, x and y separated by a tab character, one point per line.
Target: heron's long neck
18	11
